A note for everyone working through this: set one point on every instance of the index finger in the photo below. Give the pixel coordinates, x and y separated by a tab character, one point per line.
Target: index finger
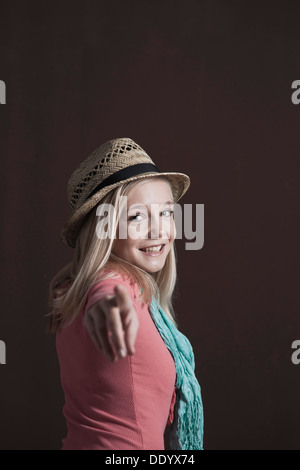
128	315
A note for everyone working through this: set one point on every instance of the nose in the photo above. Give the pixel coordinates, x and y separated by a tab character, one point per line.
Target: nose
155	227
158	228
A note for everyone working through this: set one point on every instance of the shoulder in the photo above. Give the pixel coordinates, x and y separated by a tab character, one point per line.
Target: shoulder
105	284
111	278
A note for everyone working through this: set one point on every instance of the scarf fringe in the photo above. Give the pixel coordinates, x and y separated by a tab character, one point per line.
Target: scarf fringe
186	431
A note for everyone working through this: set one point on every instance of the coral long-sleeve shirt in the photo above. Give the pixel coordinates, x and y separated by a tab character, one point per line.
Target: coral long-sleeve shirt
123	405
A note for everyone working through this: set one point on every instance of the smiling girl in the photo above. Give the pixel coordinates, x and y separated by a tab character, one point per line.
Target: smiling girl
126	371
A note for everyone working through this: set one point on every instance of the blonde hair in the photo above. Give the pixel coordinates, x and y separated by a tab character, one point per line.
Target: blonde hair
69	288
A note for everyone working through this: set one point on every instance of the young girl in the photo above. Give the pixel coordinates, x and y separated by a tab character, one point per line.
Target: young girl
126	370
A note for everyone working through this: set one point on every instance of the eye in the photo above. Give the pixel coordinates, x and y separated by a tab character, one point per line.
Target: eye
137	217
167	213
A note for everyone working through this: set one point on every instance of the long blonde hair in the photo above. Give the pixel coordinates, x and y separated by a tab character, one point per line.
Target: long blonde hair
69	288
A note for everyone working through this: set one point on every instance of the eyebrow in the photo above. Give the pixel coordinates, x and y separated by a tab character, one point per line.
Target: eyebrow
137	205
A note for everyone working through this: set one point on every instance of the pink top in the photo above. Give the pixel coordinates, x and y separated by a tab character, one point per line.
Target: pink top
123	405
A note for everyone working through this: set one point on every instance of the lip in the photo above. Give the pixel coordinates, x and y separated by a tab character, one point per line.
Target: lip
157	253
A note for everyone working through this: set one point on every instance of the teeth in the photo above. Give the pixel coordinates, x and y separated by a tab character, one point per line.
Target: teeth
152	249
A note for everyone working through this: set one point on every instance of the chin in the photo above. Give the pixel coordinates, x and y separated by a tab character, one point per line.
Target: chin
153	269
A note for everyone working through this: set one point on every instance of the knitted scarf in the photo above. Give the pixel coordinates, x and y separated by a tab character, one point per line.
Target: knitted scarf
186	432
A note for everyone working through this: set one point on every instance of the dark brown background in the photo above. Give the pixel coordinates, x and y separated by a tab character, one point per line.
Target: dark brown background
205	88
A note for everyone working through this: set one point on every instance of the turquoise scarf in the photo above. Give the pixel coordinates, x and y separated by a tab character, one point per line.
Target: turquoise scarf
186	432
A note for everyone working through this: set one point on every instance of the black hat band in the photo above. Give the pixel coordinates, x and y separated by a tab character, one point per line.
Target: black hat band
124	174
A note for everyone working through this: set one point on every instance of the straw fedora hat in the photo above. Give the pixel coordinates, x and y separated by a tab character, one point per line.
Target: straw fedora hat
115	162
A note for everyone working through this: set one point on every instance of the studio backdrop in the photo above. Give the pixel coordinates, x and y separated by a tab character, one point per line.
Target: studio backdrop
207	88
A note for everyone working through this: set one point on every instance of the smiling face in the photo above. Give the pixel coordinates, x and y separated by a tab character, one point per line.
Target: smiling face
148	224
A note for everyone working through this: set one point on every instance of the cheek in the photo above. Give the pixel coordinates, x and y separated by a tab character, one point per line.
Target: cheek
122	248
137	231
170	229
174	231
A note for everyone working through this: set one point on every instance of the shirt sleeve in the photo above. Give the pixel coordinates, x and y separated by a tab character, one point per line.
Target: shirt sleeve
106	287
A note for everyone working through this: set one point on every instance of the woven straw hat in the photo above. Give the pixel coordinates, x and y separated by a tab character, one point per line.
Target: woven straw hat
116	162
